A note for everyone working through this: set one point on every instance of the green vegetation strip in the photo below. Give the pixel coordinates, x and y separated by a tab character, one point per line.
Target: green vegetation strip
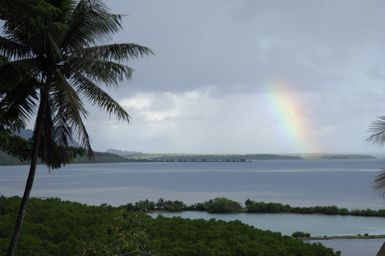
359	236
225	205
55	227
206	157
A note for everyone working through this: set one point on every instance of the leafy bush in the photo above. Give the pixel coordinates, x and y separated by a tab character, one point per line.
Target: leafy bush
222	205
300	234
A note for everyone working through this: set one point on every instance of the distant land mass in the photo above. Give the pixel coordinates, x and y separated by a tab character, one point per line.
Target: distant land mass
107	157
334	156
123	152
117	156
205	157
99	157
134	156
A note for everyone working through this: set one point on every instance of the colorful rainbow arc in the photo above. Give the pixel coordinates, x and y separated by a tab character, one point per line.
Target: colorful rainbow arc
291	118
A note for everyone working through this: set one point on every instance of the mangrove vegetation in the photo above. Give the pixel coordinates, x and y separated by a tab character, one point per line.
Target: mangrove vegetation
55	227
225	205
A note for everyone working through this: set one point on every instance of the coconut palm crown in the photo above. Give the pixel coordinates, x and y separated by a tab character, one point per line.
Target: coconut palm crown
377	136
52	57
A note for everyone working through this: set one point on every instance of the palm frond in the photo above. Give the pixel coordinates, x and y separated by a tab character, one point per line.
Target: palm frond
379	183
99	97
26	22
119	52
91	22
15	145
101	71
377	130
14	72
12	49
19	103
69	111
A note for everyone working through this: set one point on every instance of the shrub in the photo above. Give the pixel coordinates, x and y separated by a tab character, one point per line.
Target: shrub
300	234
222	205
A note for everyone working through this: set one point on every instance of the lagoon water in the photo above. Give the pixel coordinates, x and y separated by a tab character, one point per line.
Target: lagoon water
345	183
317	225
287	223
354	247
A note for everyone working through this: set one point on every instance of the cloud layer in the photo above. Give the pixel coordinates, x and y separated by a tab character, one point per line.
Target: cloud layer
216	63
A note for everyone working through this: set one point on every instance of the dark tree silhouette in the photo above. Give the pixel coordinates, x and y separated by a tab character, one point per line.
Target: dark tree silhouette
50	61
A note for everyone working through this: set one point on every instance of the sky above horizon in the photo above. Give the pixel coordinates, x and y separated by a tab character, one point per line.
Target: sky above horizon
244	76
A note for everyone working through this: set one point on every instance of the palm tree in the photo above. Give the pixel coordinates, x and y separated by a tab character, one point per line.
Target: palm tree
377	130
50	61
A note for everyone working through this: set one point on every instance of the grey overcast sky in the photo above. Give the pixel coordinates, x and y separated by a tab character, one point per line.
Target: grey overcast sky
249	76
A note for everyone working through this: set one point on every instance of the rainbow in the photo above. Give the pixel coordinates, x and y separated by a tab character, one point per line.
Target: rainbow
291	118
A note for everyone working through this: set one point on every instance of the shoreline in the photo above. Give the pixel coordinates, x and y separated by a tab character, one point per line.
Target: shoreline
342	237
129	207
222	205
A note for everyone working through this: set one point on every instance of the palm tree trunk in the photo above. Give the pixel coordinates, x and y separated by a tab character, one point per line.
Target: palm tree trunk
381	252
31	175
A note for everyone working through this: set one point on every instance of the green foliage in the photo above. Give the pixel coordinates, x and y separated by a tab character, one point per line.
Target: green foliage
20	148
300	234
99	157
15	146
127	235
262	207
178	236
161	205
225	205
55	227
222	205
171	206
6	159
142	206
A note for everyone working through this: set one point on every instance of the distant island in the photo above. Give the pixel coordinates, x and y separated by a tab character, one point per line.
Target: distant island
118	156
134	156
143	157
333	156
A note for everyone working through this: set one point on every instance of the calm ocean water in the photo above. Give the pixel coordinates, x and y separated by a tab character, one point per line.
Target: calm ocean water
345	183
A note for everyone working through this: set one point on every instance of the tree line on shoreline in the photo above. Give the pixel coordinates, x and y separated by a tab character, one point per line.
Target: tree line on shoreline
225	205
